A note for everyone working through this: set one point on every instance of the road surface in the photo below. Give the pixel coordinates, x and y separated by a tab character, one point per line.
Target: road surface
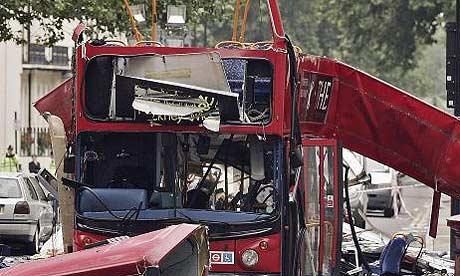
418	203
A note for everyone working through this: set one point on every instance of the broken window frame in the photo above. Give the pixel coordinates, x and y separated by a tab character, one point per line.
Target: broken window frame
262	216
112	105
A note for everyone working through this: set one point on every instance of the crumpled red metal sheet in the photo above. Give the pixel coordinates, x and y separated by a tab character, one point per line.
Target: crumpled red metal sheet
389	125
126	257
58	102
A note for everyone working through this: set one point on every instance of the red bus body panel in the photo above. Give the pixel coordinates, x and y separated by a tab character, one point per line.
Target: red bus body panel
387	124
59	102
126	257
269	258
279	82
368	115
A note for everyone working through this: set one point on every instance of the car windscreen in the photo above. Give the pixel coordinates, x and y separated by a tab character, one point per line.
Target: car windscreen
9	188
41	194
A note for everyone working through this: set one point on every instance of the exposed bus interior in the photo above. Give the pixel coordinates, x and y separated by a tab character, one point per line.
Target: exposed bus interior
179	89
228	178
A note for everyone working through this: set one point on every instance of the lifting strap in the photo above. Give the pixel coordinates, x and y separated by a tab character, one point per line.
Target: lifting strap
245	18
154	20
236	18
137	35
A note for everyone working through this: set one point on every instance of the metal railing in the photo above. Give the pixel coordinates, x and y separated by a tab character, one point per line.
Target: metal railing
35	140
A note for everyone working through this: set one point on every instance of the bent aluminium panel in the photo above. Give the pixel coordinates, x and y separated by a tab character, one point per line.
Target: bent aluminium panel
380	121
153	253
58	102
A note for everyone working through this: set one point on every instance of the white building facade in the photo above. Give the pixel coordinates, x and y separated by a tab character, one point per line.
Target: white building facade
27	72
10	91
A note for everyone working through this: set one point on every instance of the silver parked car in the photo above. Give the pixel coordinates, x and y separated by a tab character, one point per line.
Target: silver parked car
385	177
358	180
26	212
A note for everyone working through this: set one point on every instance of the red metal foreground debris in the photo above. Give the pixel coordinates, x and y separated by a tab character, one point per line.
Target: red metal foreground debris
179	249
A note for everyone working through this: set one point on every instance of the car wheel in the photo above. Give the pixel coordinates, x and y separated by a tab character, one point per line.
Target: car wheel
388	212
358	220
34	246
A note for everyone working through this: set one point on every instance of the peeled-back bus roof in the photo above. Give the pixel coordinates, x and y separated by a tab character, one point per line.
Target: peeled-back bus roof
368	115
389	125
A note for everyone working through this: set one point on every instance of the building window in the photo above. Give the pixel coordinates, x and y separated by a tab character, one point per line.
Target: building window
35	140
37	54
40	54
60	56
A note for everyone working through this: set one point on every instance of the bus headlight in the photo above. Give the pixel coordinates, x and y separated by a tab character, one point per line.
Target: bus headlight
250	257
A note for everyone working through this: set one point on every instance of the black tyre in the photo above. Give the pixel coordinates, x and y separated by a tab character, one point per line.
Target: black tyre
359	221
34	247
399	204
389	212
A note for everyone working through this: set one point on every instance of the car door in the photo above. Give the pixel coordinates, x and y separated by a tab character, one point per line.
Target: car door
48	213
32	198
48	182
43	208
42	196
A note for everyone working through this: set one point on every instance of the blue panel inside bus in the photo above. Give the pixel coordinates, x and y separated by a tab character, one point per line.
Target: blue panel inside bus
196	215
237	70
101	199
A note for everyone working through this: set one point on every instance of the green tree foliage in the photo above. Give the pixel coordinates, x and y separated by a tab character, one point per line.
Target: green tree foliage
377	34
102	16
427	78
400	41
50	15
388	38
258	27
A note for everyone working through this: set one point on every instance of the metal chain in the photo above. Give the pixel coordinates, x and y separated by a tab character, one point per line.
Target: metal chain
74	77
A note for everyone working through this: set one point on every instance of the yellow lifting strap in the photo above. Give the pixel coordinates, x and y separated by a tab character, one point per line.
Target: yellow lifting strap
137	35
245	18
154	20
236	18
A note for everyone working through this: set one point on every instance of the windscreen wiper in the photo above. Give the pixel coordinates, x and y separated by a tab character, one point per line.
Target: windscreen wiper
124	220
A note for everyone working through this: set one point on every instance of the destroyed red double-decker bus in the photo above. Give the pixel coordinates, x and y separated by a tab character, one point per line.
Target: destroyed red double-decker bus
243	138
